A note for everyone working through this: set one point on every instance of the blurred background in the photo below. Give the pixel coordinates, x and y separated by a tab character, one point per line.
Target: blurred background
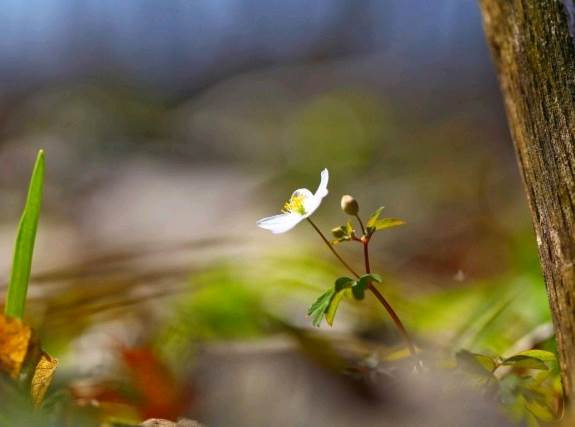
171	127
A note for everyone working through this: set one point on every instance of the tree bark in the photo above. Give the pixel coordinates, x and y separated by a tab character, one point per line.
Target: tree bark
534	55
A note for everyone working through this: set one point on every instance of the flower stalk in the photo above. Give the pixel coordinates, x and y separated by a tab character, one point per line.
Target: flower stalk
301	205
398	323
394	317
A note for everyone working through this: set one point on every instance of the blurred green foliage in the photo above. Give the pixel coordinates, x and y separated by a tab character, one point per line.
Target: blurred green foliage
343	127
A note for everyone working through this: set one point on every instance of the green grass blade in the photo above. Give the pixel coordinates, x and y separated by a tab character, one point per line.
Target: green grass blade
24	247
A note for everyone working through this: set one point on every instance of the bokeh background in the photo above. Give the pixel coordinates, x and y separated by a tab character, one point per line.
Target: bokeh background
171	127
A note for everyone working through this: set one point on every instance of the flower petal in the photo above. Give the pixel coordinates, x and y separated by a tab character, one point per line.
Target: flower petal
321	191
312	203
300	206
280	223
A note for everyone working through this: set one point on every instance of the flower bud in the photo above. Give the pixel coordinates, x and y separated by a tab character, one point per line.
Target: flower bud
349	205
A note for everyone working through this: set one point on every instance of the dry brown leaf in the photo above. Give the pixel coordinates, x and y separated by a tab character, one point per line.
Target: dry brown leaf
14	340
43	375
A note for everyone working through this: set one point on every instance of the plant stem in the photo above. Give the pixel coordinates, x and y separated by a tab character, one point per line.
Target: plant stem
385	303
360	224
371	287
366	255
395	319
332	249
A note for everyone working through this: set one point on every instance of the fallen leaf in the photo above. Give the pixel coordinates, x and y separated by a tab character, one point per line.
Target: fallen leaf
42	378
160	393
14	340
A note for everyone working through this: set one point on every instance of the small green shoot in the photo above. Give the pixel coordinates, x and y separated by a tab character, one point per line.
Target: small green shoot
24	247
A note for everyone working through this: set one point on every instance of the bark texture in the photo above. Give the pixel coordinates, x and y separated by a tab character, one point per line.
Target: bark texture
535	59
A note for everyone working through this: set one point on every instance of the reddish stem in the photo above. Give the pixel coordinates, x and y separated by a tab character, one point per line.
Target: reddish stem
385	303
365	241
395	318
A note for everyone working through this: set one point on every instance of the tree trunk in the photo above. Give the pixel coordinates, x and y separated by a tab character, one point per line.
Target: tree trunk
534	55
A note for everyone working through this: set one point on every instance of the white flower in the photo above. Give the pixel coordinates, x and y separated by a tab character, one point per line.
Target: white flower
301	205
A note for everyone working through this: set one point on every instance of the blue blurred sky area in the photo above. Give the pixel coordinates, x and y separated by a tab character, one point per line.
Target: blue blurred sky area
180	46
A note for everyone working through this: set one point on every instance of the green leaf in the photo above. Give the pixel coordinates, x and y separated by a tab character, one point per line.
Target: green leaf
320	307
373	219
349	228
359	287
374	223
374	277
338	233
343	233
525	362
341	288
531	359
328	303
382	224
358	291
476	361
24	247
343	282
543	355
334	305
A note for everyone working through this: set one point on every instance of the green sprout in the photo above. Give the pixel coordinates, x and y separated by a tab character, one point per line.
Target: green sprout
24	246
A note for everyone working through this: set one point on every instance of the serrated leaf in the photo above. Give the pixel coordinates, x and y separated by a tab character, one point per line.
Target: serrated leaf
42	378
328	303
382	224
24	247
373	219
341	288
320	306
334	305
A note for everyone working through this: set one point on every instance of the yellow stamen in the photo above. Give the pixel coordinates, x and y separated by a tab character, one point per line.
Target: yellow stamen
294	205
